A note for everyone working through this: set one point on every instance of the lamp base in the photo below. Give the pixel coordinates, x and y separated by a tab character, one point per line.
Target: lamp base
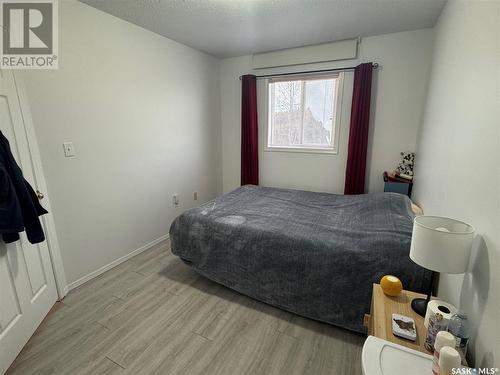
419	305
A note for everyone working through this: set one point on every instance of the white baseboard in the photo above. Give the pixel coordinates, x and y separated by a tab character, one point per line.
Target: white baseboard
65	292
114	263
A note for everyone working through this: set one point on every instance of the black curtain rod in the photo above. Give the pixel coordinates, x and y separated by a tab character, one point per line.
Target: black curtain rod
347	68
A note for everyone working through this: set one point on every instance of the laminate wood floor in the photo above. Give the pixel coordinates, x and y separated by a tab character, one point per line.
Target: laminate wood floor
154	315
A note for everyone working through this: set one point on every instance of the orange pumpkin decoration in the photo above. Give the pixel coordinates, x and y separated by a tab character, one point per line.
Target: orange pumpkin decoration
391	285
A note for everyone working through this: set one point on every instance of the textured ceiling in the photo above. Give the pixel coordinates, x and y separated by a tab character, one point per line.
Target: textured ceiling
226	28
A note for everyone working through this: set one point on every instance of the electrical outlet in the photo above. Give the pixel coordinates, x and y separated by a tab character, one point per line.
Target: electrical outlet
195	196
69	150
175	200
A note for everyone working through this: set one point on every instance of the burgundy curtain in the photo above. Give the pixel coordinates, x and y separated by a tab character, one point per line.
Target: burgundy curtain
358	131
249	136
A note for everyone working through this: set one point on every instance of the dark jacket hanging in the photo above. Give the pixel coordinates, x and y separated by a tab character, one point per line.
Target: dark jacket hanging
19	206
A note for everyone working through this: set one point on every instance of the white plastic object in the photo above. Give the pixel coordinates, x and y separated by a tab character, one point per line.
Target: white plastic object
449	359
443	338
382	357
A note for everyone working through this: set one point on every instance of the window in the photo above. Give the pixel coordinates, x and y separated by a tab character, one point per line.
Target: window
303	113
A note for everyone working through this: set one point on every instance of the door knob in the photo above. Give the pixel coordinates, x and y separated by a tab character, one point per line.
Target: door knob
40	195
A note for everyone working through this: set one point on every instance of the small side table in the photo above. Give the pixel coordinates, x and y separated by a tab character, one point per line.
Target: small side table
379	321
395	184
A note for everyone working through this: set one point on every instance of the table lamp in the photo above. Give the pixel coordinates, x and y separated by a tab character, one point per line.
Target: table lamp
439	244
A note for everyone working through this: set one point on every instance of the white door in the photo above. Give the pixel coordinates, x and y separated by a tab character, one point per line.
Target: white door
27	286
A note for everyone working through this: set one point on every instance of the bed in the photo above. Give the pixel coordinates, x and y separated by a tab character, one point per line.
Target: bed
313	254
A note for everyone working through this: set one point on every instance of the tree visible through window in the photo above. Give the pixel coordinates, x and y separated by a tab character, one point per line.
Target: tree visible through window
302	113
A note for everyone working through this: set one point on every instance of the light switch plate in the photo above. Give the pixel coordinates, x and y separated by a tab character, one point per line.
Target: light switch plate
69	149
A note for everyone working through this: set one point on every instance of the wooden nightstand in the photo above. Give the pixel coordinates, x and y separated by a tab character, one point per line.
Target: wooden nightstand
396	184
379	322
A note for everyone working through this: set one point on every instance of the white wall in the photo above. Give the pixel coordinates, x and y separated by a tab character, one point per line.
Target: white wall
143	113
458	159
399	89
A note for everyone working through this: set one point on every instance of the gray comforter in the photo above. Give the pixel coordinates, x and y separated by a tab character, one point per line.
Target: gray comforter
314	254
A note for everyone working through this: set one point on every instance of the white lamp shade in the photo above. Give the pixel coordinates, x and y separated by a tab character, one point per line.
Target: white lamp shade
441	244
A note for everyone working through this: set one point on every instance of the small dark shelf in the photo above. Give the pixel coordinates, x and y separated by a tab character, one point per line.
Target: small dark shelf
395	184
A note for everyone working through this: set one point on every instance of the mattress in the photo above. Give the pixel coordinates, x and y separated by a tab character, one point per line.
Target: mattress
313	254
